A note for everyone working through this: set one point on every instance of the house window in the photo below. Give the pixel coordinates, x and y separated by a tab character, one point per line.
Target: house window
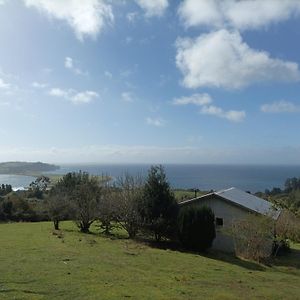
219	221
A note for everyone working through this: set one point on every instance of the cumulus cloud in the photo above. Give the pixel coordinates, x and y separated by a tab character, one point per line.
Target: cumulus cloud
39	85
158	122
70	64
74	96
205	102
231	115
280	107
196	99
84	97
4	85
132	16
127	97
108	74
153	7
87	18
242	15
222	59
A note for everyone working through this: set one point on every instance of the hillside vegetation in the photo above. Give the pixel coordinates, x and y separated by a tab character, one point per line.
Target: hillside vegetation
37	264
26	168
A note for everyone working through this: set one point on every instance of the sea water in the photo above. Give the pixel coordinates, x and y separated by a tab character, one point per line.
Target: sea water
251	178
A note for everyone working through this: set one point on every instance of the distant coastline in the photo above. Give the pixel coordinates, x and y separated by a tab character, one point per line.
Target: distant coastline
33	169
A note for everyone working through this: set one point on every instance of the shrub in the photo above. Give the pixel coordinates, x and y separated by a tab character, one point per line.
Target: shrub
253	236
196	228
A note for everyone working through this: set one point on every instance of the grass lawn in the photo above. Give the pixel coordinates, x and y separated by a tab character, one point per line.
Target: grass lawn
35	264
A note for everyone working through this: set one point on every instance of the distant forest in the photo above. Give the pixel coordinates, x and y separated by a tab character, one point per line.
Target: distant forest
25	168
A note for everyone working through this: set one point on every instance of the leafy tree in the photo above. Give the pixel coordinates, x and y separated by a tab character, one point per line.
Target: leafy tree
196	228
57	204
38	187
83	193
158	207
5	189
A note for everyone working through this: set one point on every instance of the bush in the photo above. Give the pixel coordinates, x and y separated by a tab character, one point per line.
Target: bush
196	228
253	236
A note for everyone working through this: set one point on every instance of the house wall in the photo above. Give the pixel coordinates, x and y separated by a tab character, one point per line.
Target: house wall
228	212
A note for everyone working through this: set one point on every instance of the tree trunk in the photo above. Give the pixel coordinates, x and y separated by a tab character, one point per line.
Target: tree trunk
56	224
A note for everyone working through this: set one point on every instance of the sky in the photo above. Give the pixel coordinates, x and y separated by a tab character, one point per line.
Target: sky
150	81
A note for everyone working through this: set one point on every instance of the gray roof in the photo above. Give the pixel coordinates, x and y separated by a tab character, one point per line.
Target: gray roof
245	200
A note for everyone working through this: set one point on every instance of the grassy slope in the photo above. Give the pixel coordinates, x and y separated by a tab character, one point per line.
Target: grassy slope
35	264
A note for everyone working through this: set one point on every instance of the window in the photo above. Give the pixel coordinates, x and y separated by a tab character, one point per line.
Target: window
219	221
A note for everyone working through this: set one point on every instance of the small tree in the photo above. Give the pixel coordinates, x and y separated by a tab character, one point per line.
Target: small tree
83	193
107	210
38	187
128	194
158	207
58	206
196	228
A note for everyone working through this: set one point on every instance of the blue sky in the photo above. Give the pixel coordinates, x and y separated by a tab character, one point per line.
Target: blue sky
150	81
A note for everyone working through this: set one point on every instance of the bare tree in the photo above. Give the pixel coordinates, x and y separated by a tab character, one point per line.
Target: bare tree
128	193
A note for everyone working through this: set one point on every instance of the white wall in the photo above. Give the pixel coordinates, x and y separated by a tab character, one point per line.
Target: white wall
228	212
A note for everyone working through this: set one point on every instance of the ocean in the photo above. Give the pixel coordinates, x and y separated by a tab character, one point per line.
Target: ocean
251	178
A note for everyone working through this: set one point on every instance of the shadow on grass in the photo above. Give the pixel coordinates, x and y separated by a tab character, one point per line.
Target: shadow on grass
290	259
211	254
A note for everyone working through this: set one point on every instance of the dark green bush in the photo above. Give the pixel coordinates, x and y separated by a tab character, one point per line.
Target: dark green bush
196	227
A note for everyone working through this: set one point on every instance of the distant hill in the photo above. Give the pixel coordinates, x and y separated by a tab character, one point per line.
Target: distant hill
25	168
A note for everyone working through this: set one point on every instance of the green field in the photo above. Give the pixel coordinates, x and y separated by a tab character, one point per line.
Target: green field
37	264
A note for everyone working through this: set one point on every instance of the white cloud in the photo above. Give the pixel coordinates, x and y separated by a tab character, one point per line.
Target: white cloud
205	102
153	7
74	96
127	97
57	92
87	18
84	97
196	99
70	64
246	14
280	107
39	85
132	16
108	74
222	59
231	115
4	85
152	154
158	122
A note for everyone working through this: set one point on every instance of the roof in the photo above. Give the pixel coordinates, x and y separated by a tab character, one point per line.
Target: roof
244	199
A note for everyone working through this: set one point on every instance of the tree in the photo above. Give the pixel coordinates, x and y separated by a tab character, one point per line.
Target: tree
128	193
57	204
158	207
83	193
107	209
38	187
196	228
5	189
